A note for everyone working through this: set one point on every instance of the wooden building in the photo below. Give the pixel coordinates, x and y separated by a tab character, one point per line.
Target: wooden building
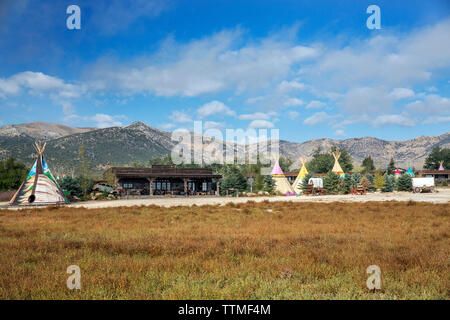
438	175
165	179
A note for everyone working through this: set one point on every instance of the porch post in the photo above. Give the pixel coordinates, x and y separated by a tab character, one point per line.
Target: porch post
150	181
185	184
218	186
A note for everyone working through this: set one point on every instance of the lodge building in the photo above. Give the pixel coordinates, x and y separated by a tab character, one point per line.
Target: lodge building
165	179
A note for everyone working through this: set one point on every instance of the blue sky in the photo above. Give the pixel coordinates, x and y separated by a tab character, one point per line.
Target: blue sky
309	68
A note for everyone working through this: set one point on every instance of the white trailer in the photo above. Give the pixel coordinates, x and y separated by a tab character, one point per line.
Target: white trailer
423	184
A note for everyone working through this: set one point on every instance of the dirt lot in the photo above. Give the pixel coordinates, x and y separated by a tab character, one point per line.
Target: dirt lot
442	196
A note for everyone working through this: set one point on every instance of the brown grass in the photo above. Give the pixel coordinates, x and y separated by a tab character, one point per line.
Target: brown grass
267	250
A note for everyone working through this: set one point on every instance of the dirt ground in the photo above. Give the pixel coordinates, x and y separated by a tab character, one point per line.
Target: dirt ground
442	196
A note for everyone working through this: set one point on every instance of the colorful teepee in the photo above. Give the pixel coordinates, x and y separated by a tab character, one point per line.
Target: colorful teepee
410	172
40	187
337	167
397	173
441	166
282	185
297	185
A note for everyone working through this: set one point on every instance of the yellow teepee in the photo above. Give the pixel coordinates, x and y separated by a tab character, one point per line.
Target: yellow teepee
337	167
297	186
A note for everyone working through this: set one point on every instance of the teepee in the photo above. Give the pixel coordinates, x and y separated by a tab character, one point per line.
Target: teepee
410	172
397	173
441	166
297	185
39	187
282	185
337	167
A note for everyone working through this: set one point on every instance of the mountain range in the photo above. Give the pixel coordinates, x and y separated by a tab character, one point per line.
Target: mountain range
139	142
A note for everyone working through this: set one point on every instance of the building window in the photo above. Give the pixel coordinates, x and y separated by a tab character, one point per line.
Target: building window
127	185
204	186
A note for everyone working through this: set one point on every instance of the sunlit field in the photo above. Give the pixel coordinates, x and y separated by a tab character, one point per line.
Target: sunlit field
276	250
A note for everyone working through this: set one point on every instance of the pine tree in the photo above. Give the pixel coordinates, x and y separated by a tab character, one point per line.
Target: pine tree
379	181
259	182
331	183
366	183
356	179
345	185
389	183
391	167
404	183
269	184
306	181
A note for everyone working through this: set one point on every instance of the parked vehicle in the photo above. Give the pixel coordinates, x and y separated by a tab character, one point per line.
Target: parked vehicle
103	187
423	185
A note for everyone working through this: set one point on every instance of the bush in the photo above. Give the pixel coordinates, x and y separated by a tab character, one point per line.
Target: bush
331	183
305	181
345	185
366	183
404	183
356	179
379	181
73	185
389	185
269	184
12	174
445	183
234	179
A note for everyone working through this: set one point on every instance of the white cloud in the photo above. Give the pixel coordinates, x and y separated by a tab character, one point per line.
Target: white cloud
318	117
339	133
180	117
255	116
286	86
432	104
394	119
207	65
213	108
437	119
293	102
101	120
315	104
366	100
293	114
260	124
213	125
402	93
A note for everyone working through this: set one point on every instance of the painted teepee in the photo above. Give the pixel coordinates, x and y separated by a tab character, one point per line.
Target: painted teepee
337	167
297	185
441	166
410	172
282	185
397	173
39	187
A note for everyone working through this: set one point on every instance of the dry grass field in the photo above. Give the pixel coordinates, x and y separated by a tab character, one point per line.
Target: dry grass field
265	250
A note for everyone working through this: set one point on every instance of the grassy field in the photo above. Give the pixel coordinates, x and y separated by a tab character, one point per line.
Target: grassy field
238	251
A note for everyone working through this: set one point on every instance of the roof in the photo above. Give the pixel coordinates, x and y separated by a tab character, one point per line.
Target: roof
276	171
161	171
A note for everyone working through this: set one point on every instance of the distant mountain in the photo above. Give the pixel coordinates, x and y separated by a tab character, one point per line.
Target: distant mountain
140	142
41	130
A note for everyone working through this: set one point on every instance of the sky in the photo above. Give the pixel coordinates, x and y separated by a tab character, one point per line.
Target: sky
312	69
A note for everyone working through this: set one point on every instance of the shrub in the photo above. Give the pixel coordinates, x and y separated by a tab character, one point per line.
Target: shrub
404	183
379	181
356	179
331	183
305	181
389	183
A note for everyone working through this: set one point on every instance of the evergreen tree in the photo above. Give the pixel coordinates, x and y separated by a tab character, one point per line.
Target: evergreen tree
345	185
306	181
355	179
404	183
233	179
259	182
269	184
12	174
285	164
379	181
368	164
436	155
389	185
331	183
391	167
